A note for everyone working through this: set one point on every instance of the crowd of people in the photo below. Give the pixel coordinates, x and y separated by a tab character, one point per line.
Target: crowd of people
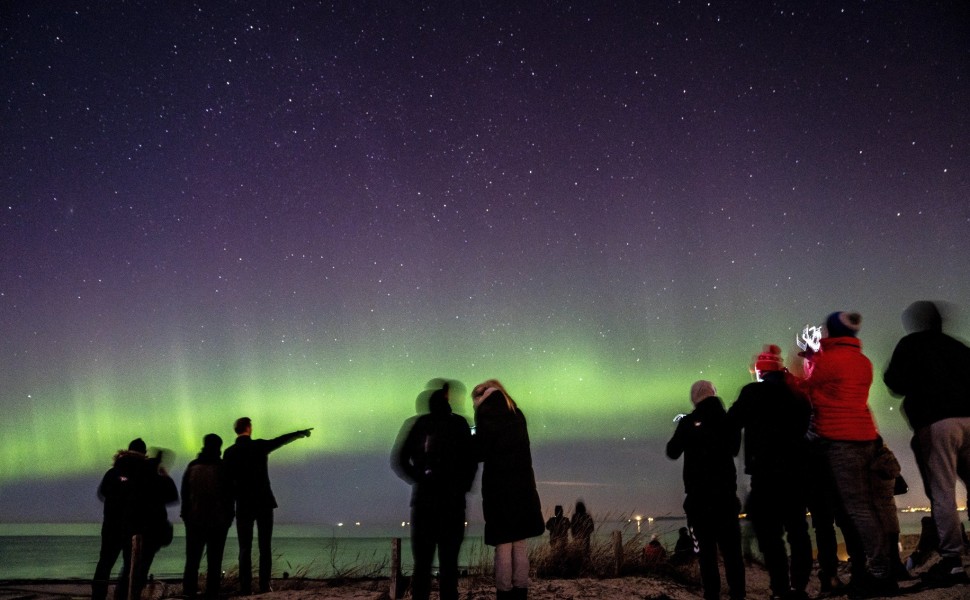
811	445
215	490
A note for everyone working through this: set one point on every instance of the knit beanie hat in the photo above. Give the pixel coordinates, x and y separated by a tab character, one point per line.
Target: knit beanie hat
769	359
138	445
701	390
843	324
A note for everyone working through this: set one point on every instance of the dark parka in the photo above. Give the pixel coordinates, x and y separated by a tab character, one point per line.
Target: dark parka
927	367
510	502
775	420
709	444
436	457
135	494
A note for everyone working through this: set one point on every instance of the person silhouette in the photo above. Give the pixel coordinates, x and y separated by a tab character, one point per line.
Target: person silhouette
510	501
434	455
207	511
247	461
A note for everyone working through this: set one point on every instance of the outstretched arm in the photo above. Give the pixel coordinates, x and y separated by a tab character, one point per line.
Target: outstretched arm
286	438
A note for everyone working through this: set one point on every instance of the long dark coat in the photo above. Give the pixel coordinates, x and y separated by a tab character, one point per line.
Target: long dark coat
510	502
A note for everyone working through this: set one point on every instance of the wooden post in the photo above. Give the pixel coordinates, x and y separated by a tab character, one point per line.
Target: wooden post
134	567
395	568
617	538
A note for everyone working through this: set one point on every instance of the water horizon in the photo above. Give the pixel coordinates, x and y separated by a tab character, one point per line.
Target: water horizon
69	551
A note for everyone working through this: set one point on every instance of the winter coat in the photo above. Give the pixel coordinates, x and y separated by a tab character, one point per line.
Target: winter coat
709	445
510	501
207	493
927	368
436	457
135	494
248	463
839	391
774	419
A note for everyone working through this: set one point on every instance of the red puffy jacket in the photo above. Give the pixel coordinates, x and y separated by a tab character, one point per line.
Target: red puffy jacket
839	391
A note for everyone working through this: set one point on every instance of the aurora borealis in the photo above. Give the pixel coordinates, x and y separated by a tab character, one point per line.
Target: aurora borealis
303	212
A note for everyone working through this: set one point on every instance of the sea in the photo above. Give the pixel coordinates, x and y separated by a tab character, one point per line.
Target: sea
65	551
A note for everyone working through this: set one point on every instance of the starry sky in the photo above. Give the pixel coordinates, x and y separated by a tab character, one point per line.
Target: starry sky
302	212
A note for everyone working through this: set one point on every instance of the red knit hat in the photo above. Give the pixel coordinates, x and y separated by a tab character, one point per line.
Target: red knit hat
769	359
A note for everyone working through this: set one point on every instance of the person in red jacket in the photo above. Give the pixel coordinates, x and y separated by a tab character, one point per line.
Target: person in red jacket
849	444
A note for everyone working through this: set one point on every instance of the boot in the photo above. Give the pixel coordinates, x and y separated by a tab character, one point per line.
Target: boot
519	593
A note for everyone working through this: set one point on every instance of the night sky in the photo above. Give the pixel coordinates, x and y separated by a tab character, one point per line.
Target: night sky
303	212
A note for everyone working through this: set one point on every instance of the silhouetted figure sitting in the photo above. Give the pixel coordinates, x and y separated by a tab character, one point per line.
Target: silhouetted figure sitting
684	551
654	553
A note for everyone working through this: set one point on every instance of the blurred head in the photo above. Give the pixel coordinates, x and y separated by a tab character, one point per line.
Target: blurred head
138	445
842	324
768	360
700	390
243	425
558	510
580	507
438	401
922	315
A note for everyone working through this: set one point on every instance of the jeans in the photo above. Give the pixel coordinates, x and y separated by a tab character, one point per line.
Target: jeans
827	512
859	491
945	449
442	528
244	530
512	565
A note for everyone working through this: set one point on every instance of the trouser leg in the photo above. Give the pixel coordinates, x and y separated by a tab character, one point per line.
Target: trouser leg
264	523
194	545
452	534
244	533
107	557
422	550
215	549
943	444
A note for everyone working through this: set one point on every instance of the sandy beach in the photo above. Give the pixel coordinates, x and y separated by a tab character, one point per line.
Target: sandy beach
645	587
